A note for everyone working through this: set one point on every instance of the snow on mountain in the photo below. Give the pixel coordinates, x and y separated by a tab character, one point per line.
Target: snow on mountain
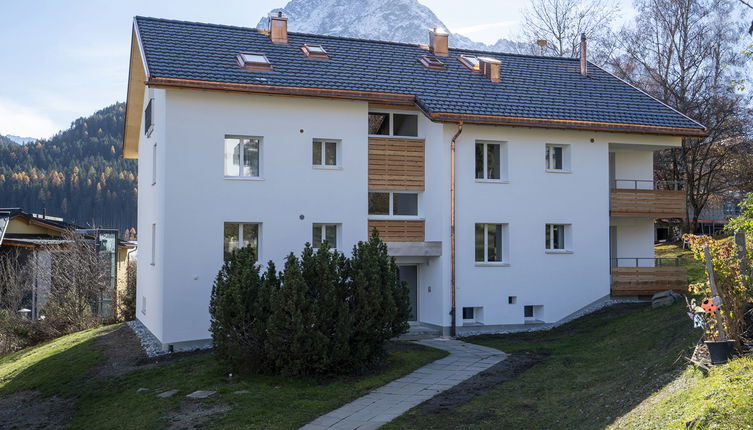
21	140
394	20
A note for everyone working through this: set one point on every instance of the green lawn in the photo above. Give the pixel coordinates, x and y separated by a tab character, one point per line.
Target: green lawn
696	268
61	367
599	368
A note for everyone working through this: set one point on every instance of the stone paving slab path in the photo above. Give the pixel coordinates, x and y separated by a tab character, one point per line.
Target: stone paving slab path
386	403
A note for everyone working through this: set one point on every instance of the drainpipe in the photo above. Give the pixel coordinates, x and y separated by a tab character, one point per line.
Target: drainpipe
453	312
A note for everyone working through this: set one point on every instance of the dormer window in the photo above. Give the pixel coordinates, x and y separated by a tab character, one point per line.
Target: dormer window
314	51
470	61
432	63
254	61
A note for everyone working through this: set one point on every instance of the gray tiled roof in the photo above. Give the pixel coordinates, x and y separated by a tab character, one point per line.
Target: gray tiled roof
531	86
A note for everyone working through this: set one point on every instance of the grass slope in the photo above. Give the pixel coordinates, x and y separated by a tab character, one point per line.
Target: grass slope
600	367
62	368
721	400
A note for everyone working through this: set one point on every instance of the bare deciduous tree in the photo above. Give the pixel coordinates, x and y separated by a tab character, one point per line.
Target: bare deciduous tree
80	284
561	23
16	282
683	53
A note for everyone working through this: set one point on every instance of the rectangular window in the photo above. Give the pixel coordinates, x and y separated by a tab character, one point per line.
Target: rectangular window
322	233
528	311
324	153
489	163
241	235
393	203
154	244
490	243
393	124
556	236
154	164
468	313
149	118
557	157
242	156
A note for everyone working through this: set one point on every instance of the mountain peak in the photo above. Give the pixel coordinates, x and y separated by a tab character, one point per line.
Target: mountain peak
405	21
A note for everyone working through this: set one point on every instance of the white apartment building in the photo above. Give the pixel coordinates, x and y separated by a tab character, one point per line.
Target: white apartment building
512	190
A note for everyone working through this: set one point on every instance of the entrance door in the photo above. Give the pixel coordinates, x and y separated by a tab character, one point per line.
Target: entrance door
409	274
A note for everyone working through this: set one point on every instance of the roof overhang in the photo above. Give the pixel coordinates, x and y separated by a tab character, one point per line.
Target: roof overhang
565	124
137	77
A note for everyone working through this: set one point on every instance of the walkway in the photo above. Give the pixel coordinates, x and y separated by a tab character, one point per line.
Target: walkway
392	400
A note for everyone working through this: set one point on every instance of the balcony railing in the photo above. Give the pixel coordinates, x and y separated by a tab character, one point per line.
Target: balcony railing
645	198
647	276
398	230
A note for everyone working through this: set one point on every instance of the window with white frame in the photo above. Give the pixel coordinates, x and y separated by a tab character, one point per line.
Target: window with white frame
490	161
324	233
557	157
490	243
241	235
242	156
557	237
393	124
325	153
389	203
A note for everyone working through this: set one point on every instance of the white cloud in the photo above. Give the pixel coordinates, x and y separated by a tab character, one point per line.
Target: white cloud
25	121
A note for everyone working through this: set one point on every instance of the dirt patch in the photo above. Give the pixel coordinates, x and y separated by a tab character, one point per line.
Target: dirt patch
194	415
506	370
29	410
122	350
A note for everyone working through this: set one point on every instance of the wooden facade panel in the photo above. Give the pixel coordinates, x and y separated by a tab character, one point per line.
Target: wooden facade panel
396	164
398	230
645	281
647	203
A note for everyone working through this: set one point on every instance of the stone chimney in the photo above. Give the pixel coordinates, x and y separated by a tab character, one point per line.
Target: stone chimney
438	42
583	63
278	28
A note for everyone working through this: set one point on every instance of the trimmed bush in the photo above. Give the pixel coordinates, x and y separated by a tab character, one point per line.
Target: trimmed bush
323	314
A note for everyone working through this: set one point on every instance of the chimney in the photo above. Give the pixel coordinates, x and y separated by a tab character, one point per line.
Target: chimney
278	28
490	67
542	45
438	42
583	63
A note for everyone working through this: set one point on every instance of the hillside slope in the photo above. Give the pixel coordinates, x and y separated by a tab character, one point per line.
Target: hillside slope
77	174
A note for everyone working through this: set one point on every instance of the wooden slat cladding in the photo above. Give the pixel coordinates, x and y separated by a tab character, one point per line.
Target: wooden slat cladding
647	203
646	281
398	230
396	164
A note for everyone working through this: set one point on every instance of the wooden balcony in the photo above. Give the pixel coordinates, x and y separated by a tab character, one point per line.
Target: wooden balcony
396	163
642	200
398	230
647	281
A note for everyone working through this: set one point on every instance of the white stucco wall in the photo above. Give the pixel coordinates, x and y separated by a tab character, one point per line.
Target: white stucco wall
192	200
634	165
635	239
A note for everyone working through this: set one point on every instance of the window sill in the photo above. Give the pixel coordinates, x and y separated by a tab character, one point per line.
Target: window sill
244	178
326	167
559	251
492	181
532	321
492	264
388	136
558	171
472	323
395	218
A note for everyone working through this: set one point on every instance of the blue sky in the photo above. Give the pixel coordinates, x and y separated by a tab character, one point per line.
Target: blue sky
65	59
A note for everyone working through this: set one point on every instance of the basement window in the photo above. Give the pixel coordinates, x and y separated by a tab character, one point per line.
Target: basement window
470	61
432	63
314	51
254	61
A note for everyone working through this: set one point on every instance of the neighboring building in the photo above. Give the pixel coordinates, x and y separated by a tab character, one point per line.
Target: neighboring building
38	237
272	140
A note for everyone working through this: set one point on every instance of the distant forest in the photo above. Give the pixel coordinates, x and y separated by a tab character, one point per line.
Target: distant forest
77	174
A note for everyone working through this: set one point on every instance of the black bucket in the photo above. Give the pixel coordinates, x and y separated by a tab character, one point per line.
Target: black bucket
720	350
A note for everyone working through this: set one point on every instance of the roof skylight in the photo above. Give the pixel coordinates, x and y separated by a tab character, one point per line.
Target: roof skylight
254	61
470	61
431	62
314	51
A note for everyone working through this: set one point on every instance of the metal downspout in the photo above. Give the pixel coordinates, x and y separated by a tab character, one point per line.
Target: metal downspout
453	312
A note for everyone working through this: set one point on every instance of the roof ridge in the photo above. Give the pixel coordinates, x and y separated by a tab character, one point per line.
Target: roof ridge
357	39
